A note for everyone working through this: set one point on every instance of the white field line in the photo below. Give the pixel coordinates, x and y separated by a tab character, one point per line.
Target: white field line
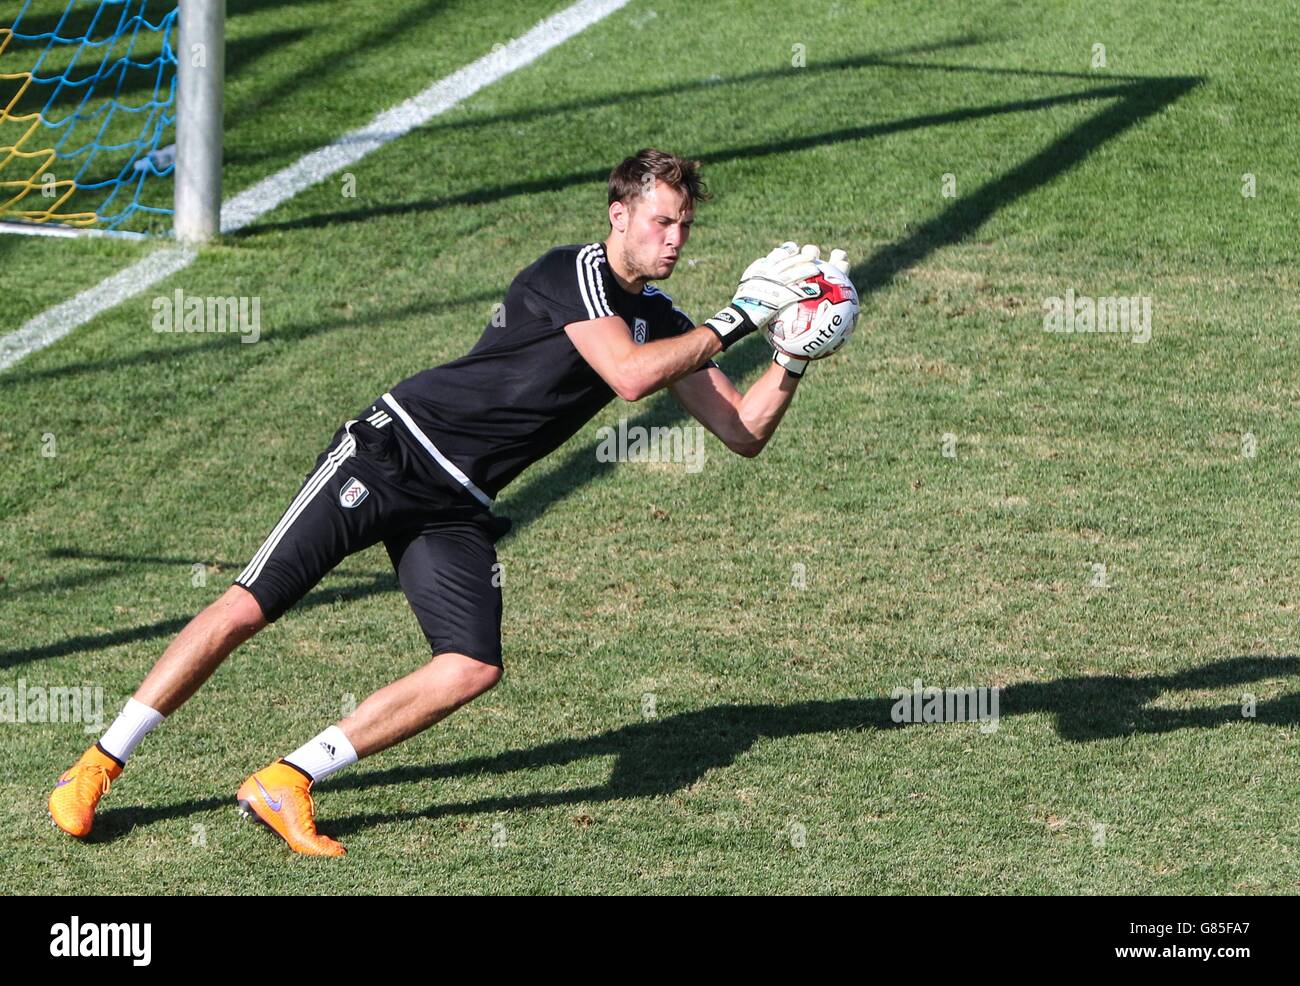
68	232
54	323
253	203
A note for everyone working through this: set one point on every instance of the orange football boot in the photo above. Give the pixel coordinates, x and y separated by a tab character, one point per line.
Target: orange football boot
72	804
279	796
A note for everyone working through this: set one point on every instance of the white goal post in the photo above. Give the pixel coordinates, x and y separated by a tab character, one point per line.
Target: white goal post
201	73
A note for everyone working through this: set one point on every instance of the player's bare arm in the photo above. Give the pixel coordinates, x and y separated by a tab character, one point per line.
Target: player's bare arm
743	422
636	371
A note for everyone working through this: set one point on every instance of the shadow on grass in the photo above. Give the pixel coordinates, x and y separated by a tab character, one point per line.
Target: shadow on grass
118	565
177	348
962	219
91	642
659	757
1131	95
434	129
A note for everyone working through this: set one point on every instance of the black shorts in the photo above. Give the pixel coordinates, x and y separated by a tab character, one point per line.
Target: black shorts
365	489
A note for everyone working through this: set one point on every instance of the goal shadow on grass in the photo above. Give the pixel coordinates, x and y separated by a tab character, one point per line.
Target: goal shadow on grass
1135	102
323	595
437	128
663	756
176	347
1128	89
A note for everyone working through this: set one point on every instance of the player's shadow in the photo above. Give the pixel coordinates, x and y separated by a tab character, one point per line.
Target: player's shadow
115	823
661	756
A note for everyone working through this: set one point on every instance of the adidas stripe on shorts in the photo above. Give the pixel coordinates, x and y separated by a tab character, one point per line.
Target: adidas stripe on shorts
366	488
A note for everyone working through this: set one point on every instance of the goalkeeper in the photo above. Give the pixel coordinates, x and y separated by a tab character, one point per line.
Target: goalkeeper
419	468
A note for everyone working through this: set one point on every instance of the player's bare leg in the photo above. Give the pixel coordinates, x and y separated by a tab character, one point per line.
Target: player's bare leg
412	704
279	795
187	663
199	649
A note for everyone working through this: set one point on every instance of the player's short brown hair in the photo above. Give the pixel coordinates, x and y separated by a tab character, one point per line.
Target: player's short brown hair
628	181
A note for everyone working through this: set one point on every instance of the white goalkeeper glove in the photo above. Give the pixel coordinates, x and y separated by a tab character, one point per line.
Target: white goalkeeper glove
764	291
794	366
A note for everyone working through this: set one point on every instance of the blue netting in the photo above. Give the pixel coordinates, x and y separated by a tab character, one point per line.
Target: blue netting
87	112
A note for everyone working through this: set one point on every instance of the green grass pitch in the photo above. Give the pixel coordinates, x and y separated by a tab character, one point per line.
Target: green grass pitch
1103	529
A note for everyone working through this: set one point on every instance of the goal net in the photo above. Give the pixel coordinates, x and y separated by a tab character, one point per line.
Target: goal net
87	117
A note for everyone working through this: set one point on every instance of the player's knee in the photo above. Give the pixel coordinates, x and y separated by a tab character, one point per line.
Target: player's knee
240	612
476	676
485	676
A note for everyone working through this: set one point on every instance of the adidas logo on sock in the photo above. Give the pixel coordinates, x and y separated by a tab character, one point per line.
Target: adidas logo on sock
328	749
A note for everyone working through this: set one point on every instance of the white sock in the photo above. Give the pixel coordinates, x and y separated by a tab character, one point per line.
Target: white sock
129	728
326	754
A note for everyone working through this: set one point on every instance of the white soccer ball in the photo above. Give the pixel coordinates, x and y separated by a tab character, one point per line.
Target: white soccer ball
822	320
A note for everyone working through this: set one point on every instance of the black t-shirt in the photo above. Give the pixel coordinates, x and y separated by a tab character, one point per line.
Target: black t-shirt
523	390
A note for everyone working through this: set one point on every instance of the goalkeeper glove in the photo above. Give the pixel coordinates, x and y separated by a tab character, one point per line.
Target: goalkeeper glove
763	292
794	366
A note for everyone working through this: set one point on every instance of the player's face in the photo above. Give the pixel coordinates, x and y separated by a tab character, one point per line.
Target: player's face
658	228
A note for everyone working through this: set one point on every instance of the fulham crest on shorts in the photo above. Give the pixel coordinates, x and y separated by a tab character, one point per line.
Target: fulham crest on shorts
353	493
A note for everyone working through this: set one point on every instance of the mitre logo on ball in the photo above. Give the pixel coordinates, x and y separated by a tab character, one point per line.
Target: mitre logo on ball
822	320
